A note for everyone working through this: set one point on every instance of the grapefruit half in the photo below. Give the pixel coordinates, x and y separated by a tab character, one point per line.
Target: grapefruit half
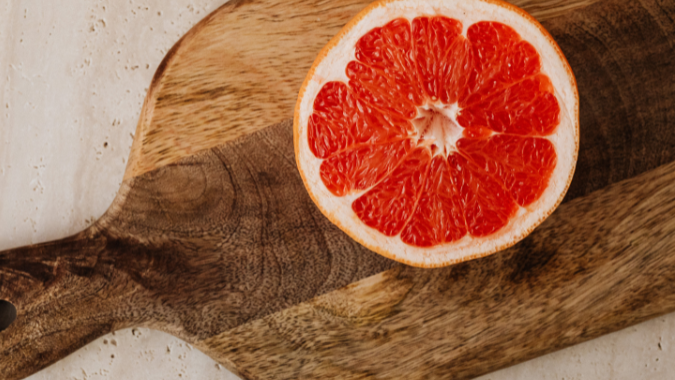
434	131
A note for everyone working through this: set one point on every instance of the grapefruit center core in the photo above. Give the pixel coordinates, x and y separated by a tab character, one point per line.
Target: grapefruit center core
437	127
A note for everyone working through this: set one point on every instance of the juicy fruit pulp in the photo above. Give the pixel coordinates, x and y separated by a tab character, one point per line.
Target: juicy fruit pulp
444	134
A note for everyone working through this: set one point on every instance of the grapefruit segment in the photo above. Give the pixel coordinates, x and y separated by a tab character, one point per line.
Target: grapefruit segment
439	216
487	205
388	50
433	38
372	86
340	120
522	165
525	108
332	125
362	167
390	204
434	132
500	59
458	65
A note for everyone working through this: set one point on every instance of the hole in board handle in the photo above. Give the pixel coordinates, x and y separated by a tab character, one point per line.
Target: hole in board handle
7	314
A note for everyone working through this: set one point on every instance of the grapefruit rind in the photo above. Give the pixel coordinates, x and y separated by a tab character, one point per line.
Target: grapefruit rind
330	66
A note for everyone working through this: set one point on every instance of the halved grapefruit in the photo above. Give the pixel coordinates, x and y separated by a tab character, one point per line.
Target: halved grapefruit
437	131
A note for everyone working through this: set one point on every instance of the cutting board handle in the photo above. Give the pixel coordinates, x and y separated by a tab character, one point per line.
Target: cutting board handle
49	285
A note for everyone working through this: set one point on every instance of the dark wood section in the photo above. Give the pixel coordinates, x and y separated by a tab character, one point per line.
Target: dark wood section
194	248
222	247
599	264
623	55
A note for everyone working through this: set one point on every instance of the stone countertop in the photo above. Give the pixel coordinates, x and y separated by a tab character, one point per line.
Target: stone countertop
73	76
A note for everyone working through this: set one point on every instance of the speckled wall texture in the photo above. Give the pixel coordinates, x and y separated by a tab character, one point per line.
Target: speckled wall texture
73	75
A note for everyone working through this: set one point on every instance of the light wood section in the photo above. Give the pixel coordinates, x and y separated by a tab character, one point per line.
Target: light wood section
240	70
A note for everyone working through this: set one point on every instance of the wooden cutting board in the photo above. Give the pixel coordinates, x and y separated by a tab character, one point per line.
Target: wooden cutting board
213	238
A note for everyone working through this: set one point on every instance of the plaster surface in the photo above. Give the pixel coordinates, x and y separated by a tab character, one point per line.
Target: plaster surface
73	76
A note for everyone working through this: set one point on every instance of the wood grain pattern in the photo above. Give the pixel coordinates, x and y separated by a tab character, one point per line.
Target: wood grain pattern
621	53
195	248
601	263
240	70
224	246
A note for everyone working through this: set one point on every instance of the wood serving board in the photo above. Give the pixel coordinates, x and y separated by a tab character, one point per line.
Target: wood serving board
212	237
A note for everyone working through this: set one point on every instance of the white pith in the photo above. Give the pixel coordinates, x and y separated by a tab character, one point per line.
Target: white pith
436	126
565	139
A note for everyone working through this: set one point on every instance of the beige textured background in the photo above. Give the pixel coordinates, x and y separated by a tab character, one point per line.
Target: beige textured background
73	75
